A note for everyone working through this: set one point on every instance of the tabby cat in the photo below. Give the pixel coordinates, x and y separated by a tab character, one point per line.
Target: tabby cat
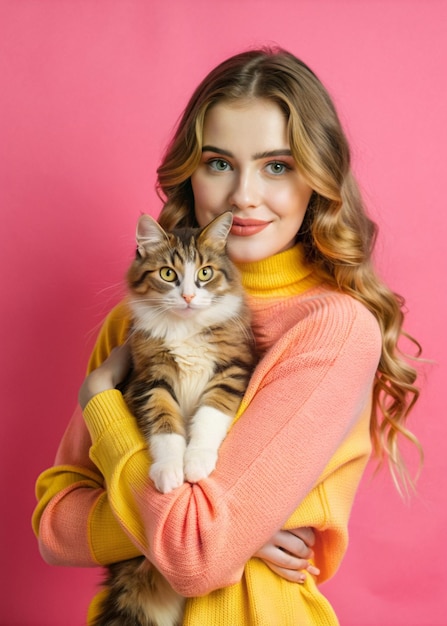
193	355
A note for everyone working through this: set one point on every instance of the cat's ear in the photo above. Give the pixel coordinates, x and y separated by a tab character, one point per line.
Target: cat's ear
149	233
217	230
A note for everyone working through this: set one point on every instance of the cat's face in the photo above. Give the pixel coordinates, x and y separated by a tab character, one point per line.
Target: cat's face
183	275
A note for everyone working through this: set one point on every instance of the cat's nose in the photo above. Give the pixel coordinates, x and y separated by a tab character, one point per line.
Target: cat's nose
188	298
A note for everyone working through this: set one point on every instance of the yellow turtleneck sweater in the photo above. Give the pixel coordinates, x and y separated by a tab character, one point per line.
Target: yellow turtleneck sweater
294	458
281	276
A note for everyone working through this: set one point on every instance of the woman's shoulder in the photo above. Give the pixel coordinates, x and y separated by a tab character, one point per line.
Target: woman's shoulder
325	300
113	333
321	315
333	315
119	316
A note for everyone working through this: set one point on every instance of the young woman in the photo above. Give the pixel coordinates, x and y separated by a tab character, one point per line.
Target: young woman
259	137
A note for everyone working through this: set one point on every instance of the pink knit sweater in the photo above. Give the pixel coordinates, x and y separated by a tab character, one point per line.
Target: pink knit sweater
294	457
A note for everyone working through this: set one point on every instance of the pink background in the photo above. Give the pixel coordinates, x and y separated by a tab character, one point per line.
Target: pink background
89	93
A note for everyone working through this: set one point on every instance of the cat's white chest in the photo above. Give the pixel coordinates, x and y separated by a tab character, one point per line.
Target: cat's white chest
191	354
196	367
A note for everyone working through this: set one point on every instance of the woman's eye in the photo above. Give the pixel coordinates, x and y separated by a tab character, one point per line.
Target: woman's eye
277	168
205	274
219	165
168	274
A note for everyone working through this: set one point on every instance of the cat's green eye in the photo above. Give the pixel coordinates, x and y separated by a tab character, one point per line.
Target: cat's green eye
168	274
205	274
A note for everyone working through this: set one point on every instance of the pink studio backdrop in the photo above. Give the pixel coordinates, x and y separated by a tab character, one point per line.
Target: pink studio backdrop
89	93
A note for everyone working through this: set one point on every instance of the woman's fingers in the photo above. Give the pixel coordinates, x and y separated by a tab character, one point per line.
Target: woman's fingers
305	533
293	576
285	565
287	555
294	543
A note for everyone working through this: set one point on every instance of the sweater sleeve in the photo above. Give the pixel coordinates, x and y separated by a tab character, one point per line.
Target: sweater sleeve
304	397
73	519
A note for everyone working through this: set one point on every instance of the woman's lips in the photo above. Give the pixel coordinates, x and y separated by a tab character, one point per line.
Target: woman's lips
246	228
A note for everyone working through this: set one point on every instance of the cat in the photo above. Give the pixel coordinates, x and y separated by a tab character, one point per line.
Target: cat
193	354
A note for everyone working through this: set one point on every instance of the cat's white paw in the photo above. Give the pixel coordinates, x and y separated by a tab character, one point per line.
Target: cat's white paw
199	463
166	475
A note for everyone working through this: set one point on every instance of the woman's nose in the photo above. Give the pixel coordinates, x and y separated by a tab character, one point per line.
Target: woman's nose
245	193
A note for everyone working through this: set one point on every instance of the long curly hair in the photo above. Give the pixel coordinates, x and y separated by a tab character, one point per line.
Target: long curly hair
337	235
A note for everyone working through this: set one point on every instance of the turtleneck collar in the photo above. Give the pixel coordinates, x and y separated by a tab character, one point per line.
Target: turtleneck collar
282	275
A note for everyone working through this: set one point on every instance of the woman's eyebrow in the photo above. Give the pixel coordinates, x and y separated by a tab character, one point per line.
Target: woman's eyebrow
273	153
268	154
217	150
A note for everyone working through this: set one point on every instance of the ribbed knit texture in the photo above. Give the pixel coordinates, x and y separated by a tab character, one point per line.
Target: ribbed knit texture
283	275
292	458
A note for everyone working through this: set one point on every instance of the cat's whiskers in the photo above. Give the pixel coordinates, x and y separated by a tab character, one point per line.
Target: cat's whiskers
242	325
155	302
152	302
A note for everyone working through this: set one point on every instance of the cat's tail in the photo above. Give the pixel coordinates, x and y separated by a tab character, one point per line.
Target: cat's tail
138	595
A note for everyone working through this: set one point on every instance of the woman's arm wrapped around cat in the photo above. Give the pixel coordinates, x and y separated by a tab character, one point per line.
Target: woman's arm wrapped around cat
304	398
73	520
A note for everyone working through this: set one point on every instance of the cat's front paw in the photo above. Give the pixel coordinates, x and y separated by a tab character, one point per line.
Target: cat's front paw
166	475
199	463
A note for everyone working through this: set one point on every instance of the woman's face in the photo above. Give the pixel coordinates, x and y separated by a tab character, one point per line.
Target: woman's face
247	168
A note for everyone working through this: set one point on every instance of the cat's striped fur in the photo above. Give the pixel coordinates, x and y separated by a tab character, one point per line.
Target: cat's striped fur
193	354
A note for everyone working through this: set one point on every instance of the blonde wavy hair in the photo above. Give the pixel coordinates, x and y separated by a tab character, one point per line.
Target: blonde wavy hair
337	235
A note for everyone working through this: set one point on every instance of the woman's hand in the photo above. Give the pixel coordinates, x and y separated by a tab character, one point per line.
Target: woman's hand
287	554
107	376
